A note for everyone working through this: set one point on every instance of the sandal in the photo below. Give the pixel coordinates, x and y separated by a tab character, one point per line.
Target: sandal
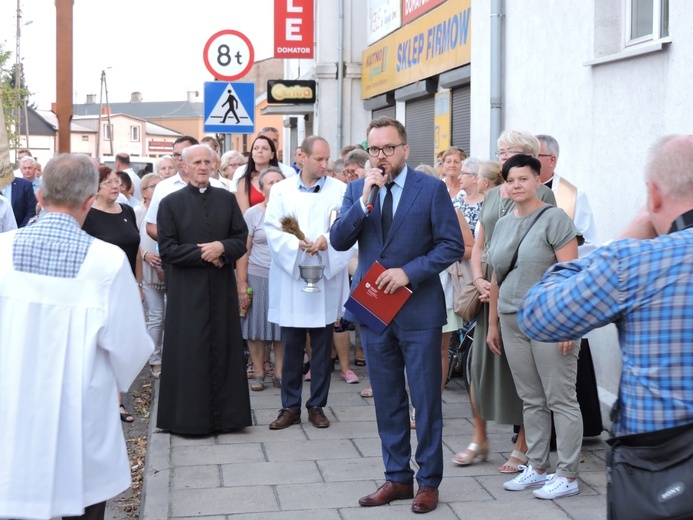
250	371
514	467
471	453
156	371
258	384
125	416
269	369
366	392
360	362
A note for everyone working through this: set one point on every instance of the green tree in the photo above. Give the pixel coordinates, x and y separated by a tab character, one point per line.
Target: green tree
10	94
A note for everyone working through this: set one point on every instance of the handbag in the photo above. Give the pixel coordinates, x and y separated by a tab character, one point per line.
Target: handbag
465	296
650	475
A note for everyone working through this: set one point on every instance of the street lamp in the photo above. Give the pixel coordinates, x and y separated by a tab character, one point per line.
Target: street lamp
17	80
104	87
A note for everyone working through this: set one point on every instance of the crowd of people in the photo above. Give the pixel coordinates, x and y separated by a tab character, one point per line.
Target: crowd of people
217	245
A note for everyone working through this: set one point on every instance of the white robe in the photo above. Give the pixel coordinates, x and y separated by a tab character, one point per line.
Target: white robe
583	219
289	306
67	347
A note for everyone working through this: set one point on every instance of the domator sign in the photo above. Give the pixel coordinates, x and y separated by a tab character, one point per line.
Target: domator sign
434	43
293	28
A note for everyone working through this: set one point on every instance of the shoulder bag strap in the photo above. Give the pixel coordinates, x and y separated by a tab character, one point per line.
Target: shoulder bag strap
517	250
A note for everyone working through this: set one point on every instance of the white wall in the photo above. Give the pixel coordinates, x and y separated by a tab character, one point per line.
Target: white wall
605	117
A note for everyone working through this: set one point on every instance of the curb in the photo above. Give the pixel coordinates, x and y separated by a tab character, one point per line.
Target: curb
154	503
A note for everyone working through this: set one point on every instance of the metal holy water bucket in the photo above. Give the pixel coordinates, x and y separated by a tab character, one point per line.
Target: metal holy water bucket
311	273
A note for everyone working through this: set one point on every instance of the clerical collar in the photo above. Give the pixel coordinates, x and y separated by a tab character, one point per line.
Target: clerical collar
682	222
197	189
549	183
315	188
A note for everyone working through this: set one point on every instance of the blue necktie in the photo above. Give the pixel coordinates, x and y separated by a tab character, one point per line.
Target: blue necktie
387	211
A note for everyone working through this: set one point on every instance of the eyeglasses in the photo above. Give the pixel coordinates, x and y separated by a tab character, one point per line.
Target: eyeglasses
355	172
545	155
236	165
177	155
389	150
508	153
108	184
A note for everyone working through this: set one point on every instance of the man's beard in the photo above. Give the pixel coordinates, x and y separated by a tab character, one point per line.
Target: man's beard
397	169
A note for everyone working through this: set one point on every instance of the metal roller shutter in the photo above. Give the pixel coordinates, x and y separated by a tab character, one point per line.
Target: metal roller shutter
387	111
461	117
419	121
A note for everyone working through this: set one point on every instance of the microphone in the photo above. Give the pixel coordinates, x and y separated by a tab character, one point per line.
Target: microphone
374	193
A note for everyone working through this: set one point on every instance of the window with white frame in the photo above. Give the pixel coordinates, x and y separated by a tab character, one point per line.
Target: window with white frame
135	133
646	20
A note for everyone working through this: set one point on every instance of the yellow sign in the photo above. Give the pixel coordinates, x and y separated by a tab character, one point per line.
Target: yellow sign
438	41
442	121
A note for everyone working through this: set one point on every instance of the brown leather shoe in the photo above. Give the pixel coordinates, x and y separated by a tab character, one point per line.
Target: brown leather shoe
426	500
285	419
317	417
387	493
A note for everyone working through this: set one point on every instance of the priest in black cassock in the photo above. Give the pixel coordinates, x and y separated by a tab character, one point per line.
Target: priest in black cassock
201	233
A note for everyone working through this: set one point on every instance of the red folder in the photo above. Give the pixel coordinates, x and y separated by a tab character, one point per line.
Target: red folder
371	305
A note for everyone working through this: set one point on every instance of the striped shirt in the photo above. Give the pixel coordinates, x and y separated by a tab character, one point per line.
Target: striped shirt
53	246
644	287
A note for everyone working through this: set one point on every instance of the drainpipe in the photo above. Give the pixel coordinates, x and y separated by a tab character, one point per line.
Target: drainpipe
340	73
496	75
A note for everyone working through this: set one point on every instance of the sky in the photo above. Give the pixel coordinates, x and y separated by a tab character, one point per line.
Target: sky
151	46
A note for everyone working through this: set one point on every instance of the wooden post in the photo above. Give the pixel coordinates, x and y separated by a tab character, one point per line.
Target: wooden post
63	38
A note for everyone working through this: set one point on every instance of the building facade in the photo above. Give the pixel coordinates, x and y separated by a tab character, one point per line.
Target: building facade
606	78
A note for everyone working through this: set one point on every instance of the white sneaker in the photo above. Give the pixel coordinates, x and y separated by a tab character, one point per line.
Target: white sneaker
557	487
527	479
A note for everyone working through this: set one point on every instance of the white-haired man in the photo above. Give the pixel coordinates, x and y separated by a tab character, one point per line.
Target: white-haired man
63	451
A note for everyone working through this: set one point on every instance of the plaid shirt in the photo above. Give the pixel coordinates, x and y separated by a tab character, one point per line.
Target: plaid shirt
53	246
645	287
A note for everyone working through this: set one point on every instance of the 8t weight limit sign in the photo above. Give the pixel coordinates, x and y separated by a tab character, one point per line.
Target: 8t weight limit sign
229	55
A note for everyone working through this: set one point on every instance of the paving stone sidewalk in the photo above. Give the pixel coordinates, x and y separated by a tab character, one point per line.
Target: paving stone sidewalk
305	472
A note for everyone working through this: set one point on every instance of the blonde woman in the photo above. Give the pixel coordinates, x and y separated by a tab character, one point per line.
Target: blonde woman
152	275
165	166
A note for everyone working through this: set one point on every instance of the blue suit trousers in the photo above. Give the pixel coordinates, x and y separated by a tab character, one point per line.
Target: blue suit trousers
388	356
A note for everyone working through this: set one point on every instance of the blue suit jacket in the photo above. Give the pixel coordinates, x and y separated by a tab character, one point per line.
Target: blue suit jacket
424	239
23	201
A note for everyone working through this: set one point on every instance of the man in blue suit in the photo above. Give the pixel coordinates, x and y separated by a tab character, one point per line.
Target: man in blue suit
414	233
20	193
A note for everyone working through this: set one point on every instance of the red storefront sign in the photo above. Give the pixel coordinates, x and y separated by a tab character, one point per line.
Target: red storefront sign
160	146
293	28
412	9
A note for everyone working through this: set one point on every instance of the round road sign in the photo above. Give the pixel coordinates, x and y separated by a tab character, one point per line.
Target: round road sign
229	55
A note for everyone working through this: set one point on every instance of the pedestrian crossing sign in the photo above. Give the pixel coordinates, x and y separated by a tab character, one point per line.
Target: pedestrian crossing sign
229	108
